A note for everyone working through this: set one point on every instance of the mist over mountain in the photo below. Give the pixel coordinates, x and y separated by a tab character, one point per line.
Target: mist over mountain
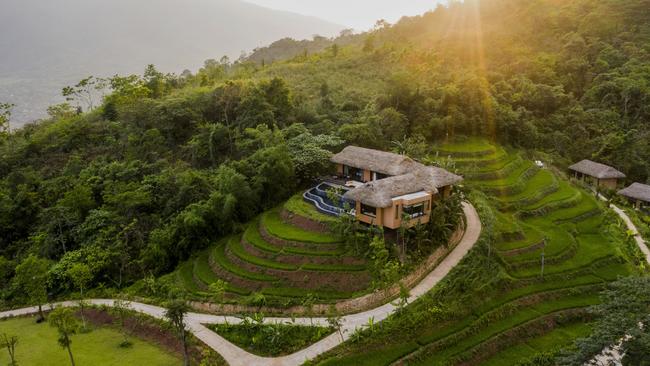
50	44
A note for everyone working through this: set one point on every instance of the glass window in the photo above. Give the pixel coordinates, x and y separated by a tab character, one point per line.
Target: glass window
414	211
368	210
396	212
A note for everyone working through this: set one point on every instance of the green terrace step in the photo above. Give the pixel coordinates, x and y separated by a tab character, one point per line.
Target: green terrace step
591	249
203	272
519	318
558	242
469	148
540	185
238	249
253	237
557	338
518	176
275	226
234	245
565	197
474	168
221	259
531	236
577	213
487	173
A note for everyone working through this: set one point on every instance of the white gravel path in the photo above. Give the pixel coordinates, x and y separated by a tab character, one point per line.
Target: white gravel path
236	356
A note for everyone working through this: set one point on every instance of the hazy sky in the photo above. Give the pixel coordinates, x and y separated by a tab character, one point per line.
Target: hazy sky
359	14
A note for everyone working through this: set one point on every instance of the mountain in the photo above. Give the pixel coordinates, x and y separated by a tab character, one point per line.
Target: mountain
50	44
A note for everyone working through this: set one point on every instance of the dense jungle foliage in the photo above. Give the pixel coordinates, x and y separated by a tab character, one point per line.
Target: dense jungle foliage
167	164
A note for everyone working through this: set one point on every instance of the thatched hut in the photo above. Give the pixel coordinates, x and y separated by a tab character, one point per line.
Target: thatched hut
596	174
638	194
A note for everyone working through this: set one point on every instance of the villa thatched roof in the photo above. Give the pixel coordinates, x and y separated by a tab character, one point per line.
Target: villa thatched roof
596	170
380	193
374	160
637	191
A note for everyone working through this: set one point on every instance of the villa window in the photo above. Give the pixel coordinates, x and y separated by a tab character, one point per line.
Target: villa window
414	211
396	212
368	210
378	176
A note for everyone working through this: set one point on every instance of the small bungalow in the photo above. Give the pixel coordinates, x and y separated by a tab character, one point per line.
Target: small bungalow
384	188
638	194
596	174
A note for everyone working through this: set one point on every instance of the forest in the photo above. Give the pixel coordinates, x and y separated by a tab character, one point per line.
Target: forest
131	184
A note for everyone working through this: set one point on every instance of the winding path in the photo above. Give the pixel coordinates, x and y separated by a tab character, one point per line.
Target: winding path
236	356
640	242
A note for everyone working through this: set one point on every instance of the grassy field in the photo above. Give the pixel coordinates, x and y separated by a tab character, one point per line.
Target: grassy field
494	316
37	345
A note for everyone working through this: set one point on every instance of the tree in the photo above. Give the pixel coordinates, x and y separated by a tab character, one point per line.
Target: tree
121	310
217	290
335	320
5	116
63	110
623	319
81	276
85	91
66	324
10	342
176	311
31	279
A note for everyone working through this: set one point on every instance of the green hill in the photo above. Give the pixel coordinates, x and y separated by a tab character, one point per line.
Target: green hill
142	187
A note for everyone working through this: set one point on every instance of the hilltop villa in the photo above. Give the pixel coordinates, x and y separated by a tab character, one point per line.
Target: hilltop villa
382	188
596	174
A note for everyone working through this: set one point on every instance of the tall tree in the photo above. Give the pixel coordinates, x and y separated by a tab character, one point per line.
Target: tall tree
81	276
176	311
5	116
66	324
31	279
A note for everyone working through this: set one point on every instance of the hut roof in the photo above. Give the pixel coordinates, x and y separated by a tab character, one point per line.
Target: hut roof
637	191
380	193
596	170
377	161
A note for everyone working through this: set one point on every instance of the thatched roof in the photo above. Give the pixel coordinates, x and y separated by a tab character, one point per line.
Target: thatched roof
377	161
380	193
637	191
596	170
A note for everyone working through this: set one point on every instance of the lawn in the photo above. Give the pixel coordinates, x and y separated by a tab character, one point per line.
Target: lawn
37	345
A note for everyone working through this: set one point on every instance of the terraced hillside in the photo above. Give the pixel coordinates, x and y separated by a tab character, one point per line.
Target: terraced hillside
287	254
539	215
536	214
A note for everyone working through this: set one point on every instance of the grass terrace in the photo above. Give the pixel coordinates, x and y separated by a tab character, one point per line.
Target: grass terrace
526	314
280	260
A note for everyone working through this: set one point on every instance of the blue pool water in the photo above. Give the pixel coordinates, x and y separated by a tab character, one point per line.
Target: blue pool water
319	198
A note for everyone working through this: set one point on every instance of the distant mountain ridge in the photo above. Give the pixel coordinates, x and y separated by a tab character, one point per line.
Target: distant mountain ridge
49	44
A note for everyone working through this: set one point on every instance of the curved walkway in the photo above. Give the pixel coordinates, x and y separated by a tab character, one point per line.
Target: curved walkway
631	227
236	356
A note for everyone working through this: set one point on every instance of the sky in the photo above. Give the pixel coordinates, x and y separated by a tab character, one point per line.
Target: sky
357	14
